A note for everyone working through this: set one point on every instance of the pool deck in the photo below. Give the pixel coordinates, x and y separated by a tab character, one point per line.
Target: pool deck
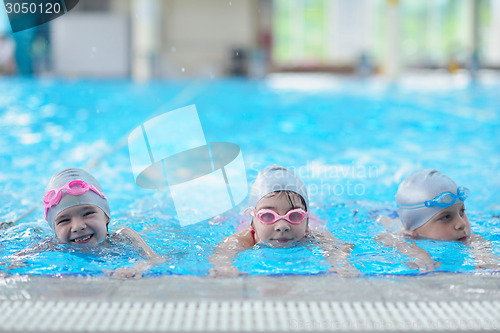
432	287
435	302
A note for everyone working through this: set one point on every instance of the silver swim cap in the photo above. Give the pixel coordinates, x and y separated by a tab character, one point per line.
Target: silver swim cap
276	178
418	188
62	178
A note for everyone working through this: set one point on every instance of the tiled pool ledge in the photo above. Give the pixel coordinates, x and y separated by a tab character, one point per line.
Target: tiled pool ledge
455	302
432	287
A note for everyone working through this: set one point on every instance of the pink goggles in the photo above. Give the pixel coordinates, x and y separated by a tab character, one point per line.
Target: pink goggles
75	187
269	216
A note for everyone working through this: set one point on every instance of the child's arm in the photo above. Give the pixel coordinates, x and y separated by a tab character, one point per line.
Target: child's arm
482	252
141	266
227	250
336	253
419	258
48	244
138	242
18	258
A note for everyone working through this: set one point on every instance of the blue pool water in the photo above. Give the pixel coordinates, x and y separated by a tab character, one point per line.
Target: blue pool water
350	141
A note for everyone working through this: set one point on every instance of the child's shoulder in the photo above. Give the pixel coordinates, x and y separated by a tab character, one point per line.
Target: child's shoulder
244	238
123	234
391	224
125	231
130	236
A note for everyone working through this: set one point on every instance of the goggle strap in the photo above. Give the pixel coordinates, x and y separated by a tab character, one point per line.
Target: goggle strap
49	203
414	206
462	194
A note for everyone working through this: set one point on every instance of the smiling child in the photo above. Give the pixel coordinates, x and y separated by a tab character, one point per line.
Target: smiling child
77	210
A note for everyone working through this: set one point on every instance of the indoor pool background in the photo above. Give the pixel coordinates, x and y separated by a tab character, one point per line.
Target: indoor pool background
350	141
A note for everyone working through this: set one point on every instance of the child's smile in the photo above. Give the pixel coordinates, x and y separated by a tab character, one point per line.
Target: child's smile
84	225
83	239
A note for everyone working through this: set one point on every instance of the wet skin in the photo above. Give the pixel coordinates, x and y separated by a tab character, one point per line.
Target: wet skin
84	225
450	224
281	233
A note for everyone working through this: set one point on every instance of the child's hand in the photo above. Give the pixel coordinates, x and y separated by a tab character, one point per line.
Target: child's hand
224	271
136	271
346	270
387	239
17	262
483	254
124	273
423	264
492	266
346	247
420	259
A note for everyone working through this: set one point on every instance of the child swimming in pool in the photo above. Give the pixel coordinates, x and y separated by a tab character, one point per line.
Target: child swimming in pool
431	205
77	210
279	208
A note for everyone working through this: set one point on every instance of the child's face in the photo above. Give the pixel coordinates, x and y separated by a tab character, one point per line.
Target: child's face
449	224
281	233
84	225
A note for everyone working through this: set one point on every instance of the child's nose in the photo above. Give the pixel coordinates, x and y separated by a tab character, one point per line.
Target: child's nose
281	226
460	223
77	224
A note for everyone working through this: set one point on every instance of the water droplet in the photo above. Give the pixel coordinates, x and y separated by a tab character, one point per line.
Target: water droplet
183	69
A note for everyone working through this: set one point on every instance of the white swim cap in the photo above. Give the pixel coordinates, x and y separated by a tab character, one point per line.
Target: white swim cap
62	178
418	188
276	178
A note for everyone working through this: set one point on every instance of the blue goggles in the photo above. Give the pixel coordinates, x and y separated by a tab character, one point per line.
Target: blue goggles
443	200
